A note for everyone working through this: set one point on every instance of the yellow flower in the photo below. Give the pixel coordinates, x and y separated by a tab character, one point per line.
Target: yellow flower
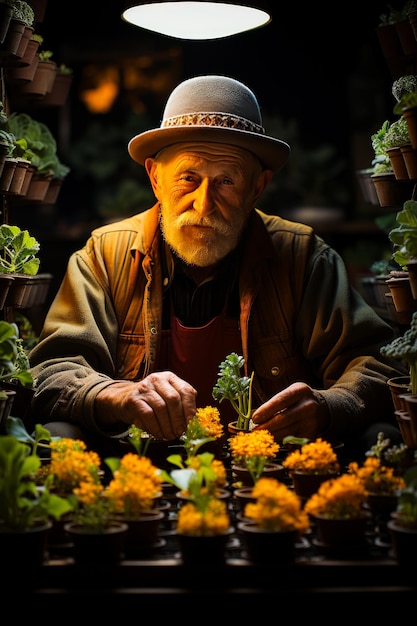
92	509
213	519
252	450
209	419
217	475
256	443
135	484
277	507
341	497
377	478
71	463
315	457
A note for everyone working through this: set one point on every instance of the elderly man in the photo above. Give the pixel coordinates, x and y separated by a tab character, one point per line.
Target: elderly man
151	305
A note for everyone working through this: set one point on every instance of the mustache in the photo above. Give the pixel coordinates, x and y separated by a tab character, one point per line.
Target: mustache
216	223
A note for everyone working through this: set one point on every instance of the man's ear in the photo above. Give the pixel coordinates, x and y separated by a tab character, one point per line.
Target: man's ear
151	166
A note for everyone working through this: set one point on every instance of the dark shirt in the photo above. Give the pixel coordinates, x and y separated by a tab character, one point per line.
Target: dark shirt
195	305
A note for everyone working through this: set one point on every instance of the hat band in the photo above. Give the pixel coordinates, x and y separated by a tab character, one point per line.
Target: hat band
214	119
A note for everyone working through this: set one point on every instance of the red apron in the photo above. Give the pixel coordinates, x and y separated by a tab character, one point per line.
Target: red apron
195	354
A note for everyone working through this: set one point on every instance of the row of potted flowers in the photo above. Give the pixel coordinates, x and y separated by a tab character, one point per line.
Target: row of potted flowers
90	493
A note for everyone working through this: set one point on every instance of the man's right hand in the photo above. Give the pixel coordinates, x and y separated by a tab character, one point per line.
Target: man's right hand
161	404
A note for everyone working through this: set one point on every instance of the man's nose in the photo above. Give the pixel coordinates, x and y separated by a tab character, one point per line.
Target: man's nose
203	201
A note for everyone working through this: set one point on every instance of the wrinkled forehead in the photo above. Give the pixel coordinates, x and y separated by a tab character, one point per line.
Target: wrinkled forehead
211	151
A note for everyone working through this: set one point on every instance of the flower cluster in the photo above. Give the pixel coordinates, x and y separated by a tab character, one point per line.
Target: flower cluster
204	427
71	464
210	517
92	508
209	419
377	478
315	457
340	497
252	450
135	484
276	508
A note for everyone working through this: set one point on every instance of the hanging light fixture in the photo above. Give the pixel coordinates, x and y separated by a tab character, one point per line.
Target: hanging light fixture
199	19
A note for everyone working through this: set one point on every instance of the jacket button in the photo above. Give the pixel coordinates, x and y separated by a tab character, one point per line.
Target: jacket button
274	371
154	331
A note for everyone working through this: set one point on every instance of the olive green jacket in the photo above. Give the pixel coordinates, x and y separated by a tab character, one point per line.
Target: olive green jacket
299	320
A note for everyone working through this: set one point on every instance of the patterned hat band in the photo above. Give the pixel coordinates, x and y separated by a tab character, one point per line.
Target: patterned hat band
224	120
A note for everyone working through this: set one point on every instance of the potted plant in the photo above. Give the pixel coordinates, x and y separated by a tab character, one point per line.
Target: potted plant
253	455
235	388
273	522
26	510
310	465
135	489
403	525
337	509
15	377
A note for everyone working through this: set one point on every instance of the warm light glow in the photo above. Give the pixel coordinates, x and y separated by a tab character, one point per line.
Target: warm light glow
196	20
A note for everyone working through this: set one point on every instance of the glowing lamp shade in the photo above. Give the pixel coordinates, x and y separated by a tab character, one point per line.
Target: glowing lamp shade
196	20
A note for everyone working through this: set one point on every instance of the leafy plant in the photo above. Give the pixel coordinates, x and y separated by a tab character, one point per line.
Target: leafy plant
22	503
404	235
406	513
19	250
22	11
14	363
404	347
235	388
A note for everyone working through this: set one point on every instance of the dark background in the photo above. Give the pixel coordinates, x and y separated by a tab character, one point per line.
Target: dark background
320	78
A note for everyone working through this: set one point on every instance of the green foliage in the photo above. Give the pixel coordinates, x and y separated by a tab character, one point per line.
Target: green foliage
22	503
404	347
235	388
19	250
41	438
22	11
35	142
406	513
14	362
404	235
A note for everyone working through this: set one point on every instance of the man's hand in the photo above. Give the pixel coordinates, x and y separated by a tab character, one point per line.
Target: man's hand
161	404
293	411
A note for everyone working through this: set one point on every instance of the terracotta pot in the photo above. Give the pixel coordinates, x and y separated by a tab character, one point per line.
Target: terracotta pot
410	160
38	187
390	191
404	544
203	551
13	37
19	75
401	294
5	282
398	163
19	175
406	37
410	401
412	275
404	424
6	405
58	95
6	13
367	187
42	81
398	385
266	546
410	115
7	174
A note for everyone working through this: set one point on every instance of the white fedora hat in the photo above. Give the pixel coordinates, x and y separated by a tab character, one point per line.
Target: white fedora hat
212	109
